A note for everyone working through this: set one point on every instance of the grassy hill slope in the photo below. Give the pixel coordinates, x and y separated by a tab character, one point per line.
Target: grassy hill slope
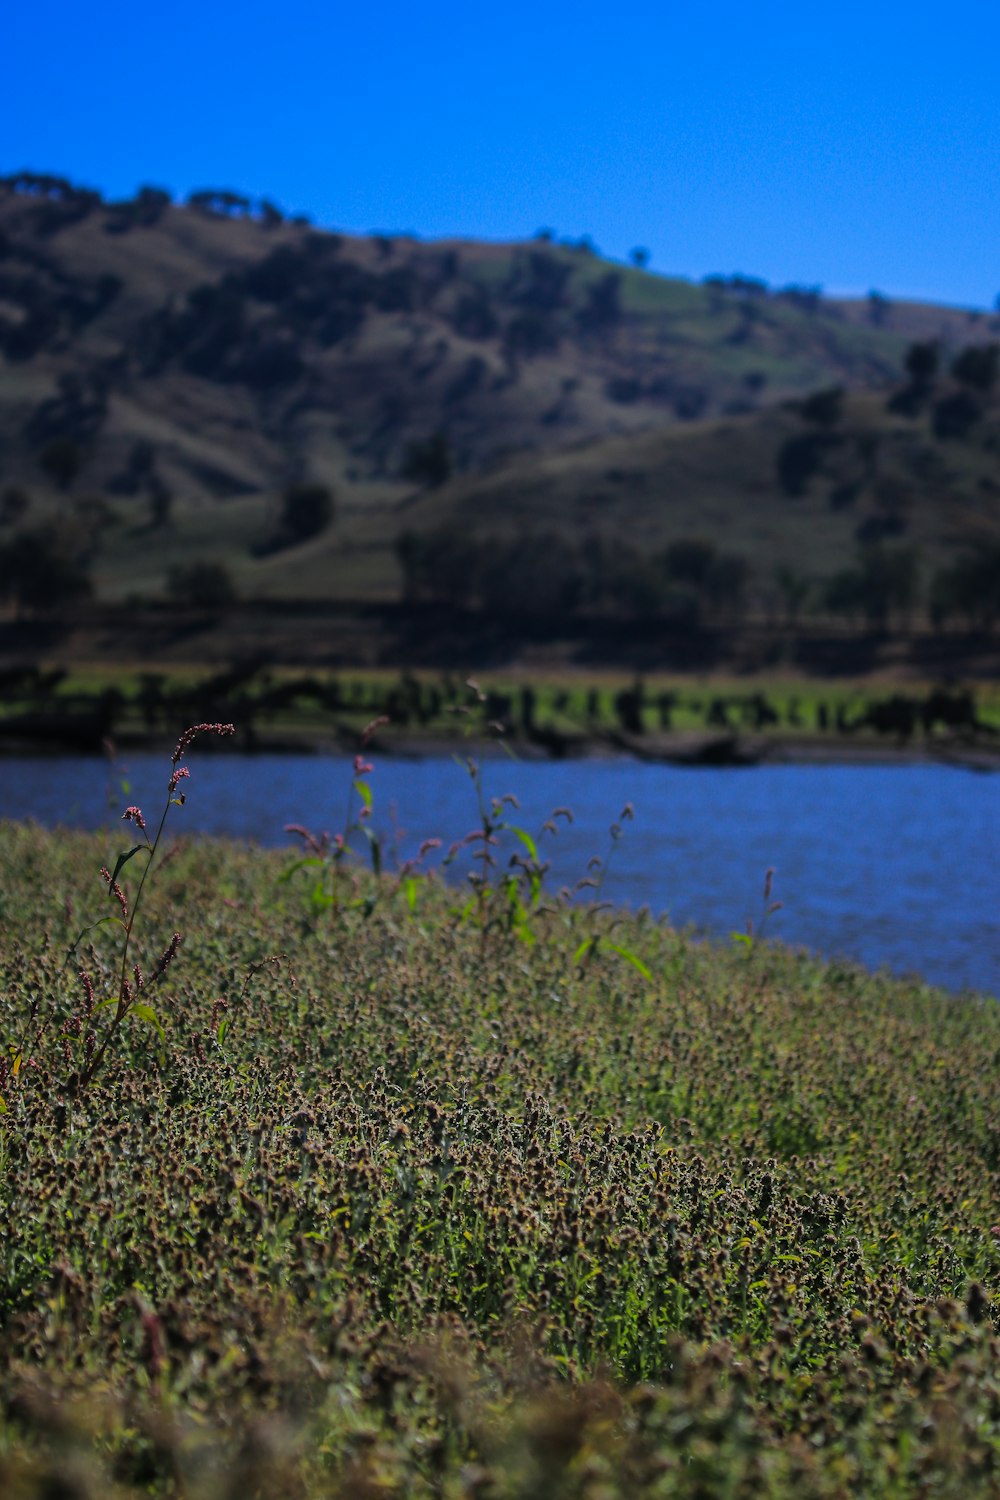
167	372
248	352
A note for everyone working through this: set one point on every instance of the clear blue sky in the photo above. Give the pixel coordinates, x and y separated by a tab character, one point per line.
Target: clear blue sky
852	145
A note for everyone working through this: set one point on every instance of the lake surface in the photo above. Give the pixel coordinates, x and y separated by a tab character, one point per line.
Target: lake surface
896	866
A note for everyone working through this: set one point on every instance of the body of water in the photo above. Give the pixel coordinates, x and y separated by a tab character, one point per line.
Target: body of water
895	866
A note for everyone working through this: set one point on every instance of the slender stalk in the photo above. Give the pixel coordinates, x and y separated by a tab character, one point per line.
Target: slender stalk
126	999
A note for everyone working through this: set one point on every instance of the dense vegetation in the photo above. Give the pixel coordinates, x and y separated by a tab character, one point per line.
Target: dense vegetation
383	1193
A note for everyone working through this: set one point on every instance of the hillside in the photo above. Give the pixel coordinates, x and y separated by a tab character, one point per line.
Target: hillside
168	372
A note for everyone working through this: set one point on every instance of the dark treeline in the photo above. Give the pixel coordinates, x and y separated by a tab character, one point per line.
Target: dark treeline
687	584
544	574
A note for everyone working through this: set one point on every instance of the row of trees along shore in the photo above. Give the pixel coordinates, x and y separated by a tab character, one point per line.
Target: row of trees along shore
689	583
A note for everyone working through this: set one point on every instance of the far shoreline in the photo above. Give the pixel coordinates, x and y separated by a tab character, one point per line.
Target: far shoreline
683	749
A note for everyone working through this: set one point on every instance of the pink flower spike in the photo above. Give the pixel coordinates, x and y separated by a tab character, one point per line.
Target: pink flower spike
134	815
179	774
362	767
196	729
168	955
317	845
427	846
370	729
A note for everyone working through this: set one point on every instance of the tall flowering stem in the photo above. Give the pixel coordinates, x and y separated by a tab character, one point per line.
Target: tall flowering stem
131	985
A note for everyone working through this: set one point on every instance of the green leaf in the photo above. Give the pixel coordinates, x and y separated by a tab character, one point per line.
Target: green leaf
319	898
123	859
375	844
631	958
148	1014
526	840
410	892
586	948
99	923
364	791
742	937
300	864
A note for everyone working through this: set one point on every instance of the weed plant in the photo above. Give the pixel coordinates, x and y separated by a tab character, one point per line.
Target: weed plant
388	1210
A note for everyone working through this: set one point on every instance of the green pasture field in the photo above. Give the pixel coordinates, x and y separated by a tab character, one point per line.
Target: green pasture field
379	1189
562	703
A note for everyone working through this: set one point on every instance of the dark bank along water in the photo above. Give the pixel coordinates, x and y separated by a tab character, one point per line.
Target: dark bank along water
895	866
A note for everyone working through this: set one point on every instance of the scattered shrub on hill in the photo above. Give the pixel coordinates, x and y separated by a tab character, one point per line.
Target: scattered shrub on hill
718	578
956	415
977	366
539	280
531	333
201	585
469	379
41	570
879	308
531	575
62	460
73	417
15	503
442	564
623	389
473	317
429	462
601	310
690	402
968	589
396	290
823	408
134	476
60	202
265	360
922	362
144	211
220	202
306	510
801	457
883	582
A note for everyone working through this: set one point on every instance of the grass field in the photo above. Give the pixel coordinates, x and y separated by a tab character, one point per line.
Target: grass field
581	708
380	1194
